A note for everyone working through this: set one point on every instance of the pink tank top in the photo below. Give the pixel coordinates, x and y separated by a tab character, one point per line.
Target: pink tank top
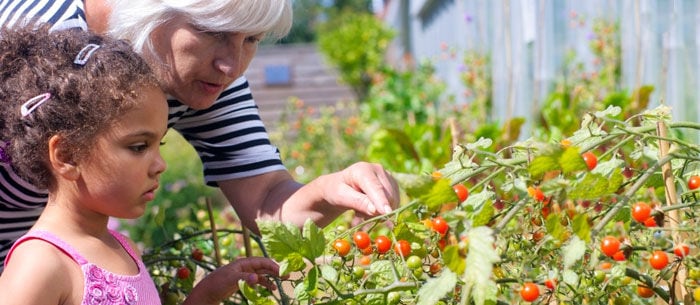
101	286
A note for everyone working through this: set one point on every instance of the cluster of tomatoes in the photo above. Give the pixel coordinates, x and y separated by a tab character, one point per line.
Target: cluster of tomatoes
382	245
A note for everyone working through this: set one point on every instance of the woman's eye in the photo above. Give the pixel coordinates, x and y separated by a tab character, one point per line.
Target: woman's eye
254	39
138	148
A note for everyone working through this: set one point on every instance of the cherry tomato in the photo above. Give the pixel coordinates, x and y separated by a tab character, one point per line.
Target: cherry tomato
383	244
414	262
362	240
650	222
183	273
694	182
435	268
440	225
365	260
610	245
402	247
658	260
529	292
590	159
461	191
550	283
641	211
681	250
536	193
342	247
197	254
696	294
622	299
619	256
367	251
644	291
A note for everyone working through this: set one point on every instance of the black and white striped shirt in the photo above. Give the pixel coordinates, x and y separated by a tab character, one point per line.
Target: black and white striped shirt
229	137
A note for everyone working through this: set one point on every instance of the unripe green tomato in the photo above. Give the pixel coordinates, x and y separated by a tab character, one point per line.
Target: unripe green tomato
418	273
414	262
358	272
393	298
172	298
599	276
622	299
694	273
666	274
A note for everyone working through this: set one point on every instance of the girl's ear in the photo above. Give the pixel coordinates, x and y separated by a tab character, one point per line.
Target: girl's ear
61	160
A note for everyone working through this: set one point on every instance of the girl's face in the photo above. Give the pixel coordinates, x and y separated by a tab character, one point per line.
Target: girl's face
196	66
121	173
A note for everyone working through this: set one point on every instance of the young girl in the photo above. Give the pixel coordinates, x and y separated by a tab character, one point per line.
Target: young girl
82	116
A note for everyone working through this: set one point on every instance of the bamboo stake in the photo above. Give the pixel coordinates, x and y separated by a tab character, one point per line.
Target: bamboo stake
215	235
672	220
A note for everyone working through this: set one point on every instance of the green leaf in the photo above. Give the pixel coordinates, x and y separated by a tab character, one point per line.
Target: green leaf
279	239
253	296
581	227
483	215
573	251
554	227
541	165
292	262
441	193
452	259
329	273
314	240
592	186
571	161
436	288
615	181
382	272
479	266
414	185
311	281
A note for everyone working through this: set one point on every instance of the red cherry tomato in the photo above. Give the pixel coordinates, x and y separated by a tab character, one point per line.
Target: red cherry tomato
197	254
694	182
440	225
619	256
550	283
383	244
461	191
183	273
650	222
529	292
681	250
402	247
590	159
342	247
641	211
362	240
658	260
610	245
644	291
536	193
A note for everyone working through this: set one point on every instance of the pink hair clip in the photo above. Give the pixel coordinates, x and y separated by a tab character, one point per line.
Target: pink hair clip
29	106
85	54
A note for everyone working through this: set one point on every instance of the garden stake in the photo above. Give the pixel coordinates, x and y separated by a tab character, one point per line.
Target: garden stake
677	292
215	235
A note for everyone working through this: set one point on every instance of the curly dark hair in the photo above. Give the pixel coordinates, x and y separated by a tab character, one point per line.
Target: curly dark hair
85	99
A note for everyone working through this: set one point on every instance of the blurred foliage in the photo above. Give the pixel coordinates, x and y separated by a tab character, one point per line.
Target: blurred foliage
309	13
355	43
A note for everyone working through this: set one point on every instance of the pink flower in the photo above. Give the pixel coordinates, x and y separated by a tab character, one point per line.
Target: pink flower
114	294
96	293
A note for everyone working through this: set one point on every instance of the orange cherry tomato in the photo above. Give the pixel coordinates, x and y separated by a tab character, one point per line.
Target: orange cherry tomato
383	244
681	250
644	291
402	247
461	191
641	211
590	159
610	245
362	240
342	247
529	292
658	260
439	225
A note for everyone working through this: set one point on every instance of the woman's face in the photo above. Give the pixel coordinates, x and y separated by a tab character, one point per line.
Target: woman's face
195	66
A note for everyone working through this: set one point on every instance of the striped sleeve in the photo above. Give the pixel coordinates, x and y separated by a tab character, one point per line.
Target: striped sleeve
62	14
229	137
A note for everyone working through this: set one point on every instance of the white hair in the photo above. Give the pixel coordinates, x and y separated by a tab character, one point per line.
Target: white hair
135	20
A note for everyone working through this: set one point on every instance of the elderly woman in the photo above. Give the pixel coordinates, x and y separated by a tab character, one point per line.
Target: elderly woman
200	50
